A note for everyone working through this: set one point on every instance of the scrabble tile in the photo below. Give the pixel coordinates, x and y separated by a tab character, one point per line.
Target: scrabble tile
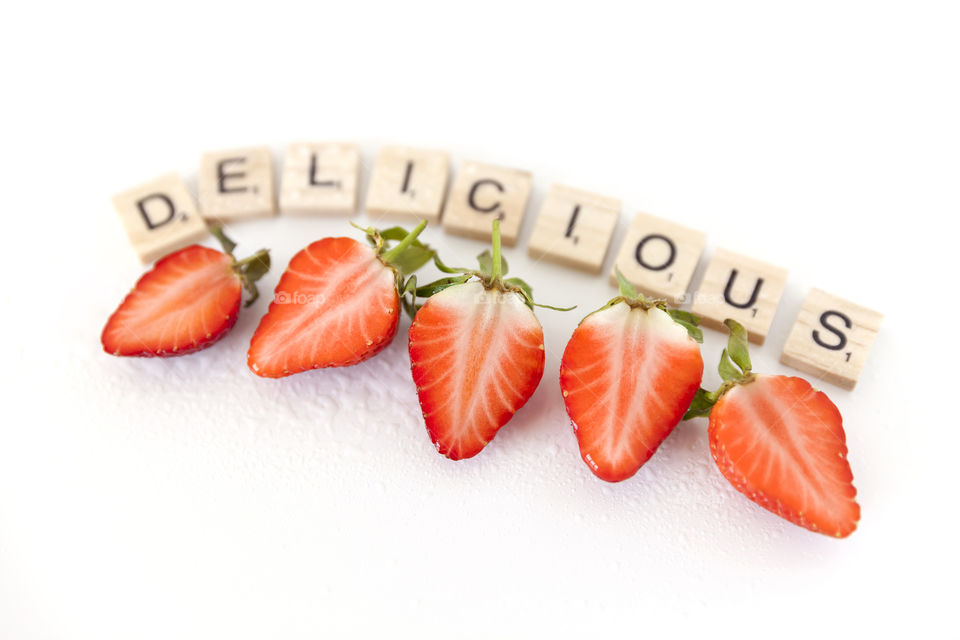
831	339
574	228
159	217
320	178
483	192
408	182
236	184
741	288
659	257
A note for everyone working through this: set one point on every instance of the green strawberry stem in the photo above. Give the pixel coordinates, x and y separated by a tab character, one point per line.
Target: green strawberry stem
408	240
497	272
735	369
250	269
737	347
216	230
263	254
493	267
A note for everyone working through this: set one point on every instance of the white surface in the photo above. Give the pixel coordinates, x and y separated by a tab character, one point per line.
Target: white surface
187	498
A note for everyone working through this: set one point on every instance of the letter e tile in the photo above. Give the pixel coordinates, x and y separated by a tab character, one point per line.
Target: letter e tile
236	184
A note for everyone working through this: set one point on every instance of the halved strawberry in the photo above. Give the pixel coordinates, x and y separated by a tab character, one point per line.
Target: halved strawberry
186	302
628	374
476	354
337	304
781	443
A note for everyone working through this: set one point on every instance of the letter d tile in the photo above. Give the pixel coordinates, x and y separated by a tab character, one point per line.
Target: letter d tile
159	216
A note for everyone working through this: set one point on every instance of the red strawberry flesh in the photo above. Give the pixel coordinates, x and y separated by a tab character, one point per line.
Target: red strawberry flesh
335	305
782	444
627	375
188	301
476	356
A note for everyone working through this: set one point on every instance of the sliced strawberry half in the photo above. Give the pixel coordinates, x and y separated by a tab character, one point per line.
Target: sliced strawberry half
337	304
186	302
628	374
781	443
477	356
476	353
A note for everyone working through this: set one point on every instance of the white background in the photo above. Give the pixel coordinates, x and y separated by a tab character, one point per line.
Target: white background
187	498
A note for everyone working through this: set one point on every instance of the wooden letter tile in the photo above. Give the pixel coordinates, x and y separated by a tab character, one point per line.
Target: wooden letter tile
574	228
408	182
483	192
159	216
831	339
741	288
659	257
320	178
236	184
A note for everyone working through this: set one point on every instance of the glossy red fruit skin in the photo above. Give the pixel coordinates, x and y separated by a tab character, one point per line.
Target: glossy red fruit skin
434	351
588	386
831	446
185	258
339	349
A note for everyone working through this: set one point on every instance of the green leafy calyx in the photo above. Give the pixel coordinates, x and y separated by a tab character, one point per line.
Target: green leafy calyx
492	267
249	269
407	255
629	295
735	369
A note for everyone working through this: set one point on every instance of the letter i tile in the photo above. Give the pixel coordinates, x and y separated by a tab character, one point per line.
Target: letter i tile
409	182
574	228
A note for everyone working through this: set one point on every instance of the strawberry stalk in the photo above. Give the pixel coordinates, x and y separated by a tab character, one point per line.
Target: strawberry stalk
408	240
735	369
405	257
497	268
249	269
408	255
493	266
